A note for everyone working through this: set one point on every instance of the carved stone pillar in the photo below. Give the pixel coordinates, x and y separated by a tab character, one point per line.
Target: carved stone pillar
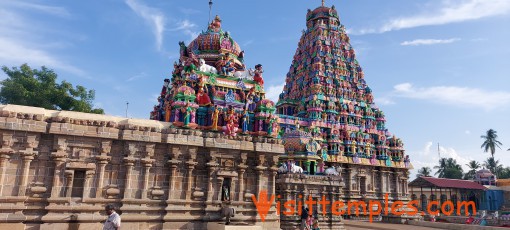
5	154
69	174
25	167
241	170
260	170
175	152
147	163
171	180
406	187
274	171
349	180
102	161
129	162
27	156
397	184
190	166
372	179
384	182
219	186
59	158
4	160
211	168
89	176
191	163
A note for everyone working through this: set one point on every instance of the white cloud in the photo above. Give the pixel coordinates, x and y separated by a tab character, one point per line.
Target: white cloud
274	91
247	43
418	42
138	76
429	157
450	12
14	52
186	27
427	149
153	16
448	152
22	38
384	101
456	96
53	10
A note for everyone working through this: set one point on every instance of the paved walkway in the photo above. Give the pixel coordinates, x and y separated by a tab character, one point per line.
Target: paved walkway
358	225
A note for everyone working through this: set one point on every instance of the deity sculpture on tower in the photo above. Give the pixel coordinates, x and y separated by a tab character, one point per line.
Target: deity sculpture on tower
258	75
215	24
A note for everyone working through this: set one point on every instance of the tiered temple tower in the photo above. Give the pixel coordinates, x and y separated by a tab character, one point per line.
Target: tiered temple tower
326	97
329	120
212	89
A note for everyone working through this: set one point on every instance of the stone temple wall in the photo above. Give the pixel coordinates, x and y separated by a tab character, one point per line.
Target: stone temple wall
354	183
58	169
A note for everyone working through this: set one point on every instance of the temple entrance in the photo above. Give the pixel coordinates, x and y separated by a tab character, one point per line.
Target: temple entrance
312	167
363	185
78	183
225	189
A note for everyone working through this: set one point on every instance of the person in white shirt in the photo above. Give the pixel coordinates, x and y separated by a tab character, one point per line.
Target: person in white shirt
113	220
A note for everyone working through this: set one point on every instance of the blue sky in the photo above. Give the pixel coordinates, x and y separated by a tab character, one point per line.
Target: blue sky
439	69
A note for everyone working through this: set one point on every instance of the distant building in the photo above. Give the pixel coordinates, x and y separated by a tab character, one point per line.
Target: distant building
485	197
485	177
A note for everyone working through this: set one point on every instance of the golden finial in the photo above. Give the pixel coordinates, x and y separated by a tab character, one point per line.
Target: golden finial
322	2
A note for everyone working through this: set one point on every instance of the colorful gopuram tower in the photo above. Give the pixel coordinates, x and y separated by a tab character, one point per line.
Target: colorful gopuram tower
329	120
212	89
326	93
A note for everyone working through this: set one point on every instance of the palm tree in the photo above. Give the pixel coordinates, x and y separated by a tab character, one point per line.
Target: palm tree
424	171
448	168
494	166
441	167
490	142
473	167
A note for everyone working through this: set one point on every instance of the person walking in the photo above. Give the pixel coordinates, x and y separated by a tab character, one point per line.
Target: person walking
113	220
304	217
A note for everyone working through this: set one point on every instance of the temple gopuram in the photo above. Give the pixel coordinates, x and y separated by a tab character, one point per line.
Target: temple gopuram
332	128
212	89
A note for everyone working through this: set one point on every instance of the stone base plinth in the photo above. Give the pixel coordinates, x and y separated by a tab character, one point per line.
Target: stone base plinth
236	226
69	226
11	226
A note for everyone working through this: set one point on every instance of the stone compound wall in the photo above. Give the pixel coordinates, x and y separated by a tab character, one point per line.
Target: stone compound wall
355	183
58	169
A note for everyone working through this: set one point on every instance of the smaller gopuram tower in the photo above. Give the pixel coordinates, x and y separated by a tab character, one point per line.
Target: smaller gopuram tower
212	89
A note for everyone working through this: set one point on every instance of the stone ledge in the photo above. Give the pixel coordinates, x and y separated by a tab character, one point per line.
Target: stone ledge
450	225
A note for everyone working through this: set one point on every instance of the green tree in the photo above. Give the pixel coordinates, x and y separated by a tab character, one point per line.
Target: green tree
424	171
505	173
494	166
490	141
33	87
473	167
448	168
